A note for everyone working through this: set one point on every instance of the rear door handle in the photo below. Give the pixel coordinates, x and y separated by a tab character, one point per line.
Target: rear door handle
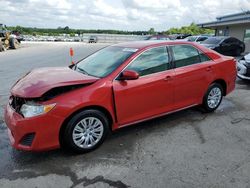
209	68
168	78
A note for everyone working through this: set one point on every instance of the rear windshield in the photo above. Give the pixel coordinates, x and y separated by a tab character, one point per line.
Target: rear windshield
212	41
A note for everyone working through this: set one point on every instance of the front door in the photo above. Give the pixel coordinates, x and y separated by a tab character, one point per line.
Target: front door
151	94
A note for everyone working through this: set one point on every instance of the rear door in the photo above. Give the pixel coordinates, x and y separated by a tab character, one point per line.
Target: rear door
193	74
152	93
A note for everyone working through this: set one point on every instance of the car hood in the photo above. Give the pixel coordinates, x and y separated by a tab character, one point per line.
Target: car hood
41	80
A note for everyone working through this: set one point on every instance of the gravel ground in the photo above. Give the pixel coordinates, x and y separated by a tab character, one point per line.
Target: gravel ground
185	149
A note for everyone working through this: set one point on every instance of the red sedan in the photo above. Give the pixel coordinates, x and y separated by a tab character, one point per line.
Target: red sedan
75	107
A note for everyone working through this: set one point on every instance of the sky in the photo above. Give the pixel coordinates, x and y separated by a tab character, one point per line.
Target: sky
129	15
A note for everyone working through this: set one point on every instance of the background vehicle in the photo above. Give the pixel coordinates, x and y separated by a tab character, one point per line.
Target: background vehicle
158	37
7	40
93	39
117	86
179	36
225	45
198	38
243	67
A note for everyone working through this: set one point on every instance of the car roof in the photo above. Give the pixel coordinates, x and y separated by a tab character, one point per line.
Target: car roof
149	43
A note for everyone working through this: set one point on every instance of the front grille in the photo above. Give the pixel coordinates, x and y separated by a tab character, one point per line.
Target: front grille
16	103
27	139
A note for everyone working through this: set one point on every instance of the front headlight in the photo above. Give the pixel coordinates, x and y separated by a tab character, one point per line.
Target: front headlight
34	109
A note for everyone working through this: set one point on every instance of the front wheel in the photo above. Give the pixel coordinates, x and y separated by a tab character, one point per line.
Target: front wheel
213	97
86	131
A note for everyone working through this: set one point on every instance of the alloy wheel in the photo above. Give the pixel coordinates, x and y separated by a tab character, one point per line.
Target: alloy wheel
214	97
88	132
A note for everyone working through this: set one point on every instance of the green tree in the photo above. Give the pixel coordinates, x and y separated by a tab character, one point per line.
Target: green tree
151	31
192	29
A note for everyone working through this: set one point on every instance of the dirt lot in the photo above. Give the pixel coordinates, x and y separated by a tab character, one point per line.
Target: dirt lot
185	149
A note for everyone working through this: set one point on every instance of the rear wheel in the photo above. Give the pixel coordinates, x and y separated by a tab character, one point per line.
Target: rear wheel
86	131
213	97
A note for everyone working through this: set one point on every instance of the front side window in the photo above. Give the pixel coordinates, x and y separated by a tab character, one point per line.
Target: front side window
105	61
151	61
185	55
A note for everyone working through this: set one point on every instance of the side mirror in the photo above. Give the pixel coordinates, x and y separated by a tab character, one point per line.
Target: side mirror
129	75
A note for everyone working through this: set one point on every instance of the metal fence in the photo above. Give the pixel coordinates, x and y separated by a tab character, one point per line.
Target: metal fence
113	38
103	38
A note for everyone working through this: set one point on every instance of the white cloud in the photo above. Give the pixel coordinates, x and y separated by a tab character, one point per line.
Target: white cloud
116	14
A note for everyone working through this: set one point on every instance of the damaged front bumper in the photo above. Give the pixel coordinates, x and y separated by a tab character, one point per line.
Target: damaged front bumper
32	134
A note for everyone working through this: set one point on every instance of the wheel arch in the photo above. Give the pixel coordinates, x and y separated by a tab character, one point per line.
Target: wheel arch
223	84
92	107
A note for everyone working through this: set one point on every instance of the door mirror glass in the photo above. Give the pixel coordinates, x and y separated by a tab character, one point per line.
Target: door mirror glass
129	75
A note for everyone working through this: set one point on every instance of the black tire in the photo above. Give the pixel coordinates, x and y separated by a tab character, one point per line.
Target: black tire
14	44
67	134
209	107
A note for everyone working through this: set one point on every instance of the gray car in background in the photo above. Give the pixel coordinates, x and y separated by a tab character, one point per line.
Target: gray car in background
93	39
198	38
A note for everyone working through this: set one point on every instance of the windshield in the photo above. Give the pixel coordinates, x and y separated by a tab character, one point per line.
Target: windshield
105	61
212	41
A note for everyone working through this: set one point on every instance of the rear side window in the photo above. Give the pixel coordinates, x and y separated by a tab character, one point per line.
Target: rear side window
185	55
151	61
204	57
